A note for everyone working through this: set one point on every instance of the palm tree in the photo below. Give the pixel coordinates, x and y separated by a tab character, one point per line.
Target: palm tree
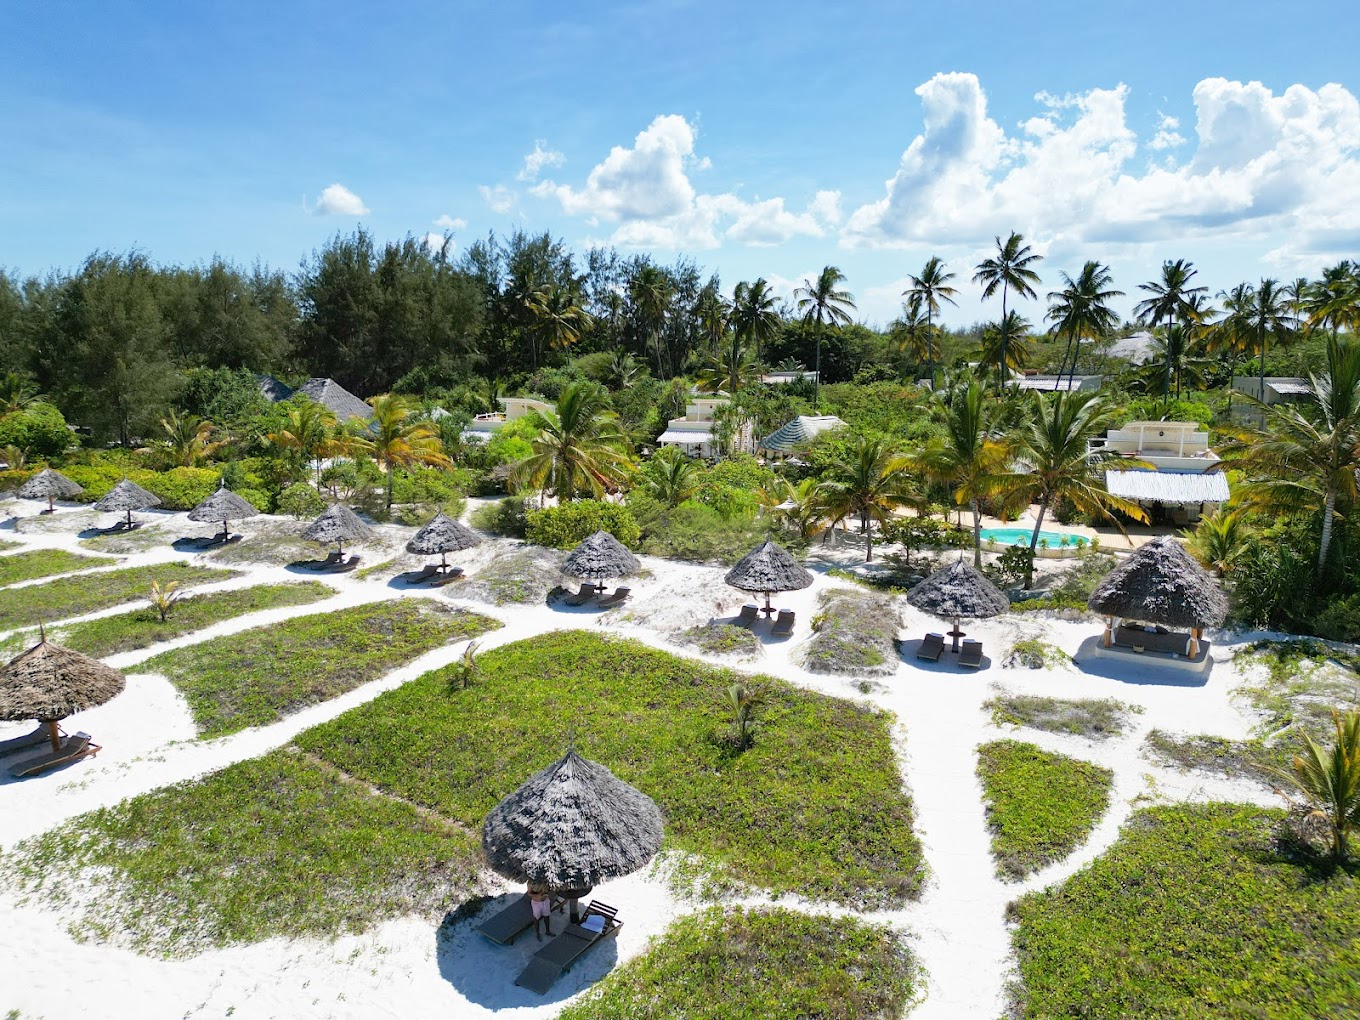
1334	301
1329	779
1170	299
913	333
995	350
871	483
744	701
1220	539
1008	270
1179	357
1080	311
1231	336
308	437
16	392
927	291
189	438
712	314
623	370
821	302
557	317
1053	462
754	315
802	507
580	447
1267	316
395	437
672	477
650	292
728	370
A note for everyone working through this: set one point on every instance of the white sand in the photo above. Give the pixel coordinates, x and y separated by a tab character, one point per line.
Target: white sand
411	966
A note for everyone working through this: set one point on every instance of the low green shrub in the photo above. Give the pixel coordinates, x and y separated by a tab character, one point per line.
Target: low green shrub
301	502
183	488
507	517
1096	719
853	634
1030	653
565	526
39	430
721	639
695	532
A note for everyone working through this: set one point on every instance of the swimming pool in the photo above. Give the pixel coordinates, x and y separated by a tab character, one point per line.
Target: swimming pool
1021	536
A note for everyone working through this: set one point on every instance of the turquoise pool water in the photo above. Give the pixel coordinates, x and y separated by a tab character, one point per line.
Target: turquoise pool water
1021	536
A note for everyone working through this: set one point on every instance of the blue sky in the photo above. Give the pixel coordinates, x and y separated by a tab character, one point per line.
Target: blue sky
759	141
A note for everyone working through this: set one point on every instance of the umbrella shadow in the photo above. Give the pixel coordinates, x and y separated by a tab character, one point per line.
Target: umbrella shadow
948	661
189	544
1144	672
484	973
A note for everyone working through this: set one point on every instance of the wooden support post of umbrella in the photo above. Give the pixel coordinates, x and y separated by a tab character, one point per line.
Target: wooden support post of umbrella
49	683
225	506
768	569
958	592
51	486
126	497
599	558
442	535
338	524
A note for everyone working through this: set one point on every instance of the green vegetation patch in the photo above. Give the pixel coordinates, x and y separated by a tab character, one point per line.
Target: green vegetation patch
855	633
260	675
1197	911
519	577
75	596
721	639
1252	758
815	806
1097	719
278	845
760	964
26	566
1040	806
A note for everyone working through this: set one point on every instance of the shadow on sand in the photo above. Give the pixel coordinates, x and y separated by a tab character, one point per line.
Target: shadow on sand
948	661
1144	671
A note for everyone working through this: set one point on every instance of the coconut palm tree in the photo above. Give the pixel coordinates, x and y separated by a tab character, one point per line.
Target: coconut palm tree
1052	461
309	437
396	438
1081	310
871	483
1220	539
996	350
16	392
189	438
1010	269
1231	336
802	507
927	291
1329	779
713	315
729	369
671	477
579	449
649	292
913	333
557	317
823	301
754	314
1268	316
1169	300
1333	302
1179	356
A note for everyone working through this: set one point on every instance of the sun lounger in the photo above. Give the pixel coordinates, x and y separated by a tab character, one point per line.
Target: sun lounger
932	647
581	597
416	577
507	925
447	576
72	748
783	627
38	736
748	615
620	596
971	654
554	959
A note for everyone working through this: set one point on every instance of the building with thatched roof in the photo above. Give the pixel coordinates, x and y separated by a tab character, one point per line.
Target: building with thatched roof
49	683
958	591
337	524
1176	476
601	557
1159	584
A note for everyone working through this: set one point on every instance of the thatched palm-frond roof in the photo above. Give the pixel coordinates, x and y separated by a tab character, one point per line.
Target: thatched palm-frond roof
337	523
601	556
127	495
1161	583
222	505
572	826
49	484
442	535
769	568
958	592
49	682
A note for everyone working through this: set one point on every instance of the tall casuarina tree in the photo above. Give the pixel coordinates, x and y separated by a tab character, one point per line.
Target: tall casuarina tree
822	301
1009	270
929	289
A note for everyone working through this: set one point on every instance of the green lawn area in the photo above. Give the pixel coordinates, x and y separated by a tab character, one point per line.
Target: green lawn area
273	846
1096	719
1197	911
765	964
75	596
1040	806
815	807
262	674
25	566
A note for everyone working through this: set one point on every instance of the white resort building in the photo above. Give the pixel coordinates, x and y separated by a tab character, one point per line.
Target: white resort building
1180	483
694	433
481	428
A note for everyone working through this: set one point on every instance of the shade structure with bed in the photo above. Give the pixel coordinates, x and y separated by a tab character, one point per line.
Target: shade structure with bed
124	498
767	570
337	525
957	592
442	535
225	506
51	486
600	558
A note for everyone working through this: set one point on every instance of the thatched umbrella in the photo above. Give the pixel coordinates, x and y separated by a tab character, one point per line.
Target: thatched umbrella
442	535
570	827
338	524
126	497
225	506
49	485
600	557
49	682
766	570
1161	583
958	592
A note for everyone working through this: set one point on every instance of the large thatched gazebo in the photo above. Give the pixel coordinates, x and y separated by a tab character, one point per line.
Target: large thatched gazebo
768	569
225	506
1160	584
51	486
126	497
442	535
599	558
337	524
958	592
49	683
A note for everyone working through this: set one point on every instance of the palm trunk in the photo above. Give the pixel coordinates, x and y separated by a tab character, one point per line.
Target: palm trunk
930	346
1328	509
817	370
977	534
390	472
868	536
1001	376
1034	540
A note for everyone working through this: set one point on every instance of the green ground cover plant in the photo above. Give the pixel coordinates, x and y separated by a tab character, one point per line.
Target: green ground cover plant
1197	911
1097	719
721	639
1040	806
262	674
26	566
75	596
854	632
758	964
274	846
815	806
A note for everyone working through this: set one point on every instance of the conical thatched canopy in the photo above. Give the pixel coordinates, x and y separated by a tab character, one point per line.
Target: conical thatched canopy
49	484
601	556
1161	583
572	826
442	535
770	568
958	592
127	496
222	505
49	682
337	523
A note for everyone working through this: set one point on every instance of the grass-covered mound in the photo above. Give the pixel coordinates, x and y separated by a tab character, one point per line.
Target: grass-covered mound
721	639
854	633
260	675
274	846
515	576
75	596
1096	719
1195	912
815	806
26	566
1039	805
766	964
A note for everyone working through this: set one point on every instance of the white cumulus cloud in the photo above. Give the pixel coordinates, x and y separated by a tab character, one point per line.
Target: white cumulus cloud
500	198
338	200
535	161
1167	136
447	222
